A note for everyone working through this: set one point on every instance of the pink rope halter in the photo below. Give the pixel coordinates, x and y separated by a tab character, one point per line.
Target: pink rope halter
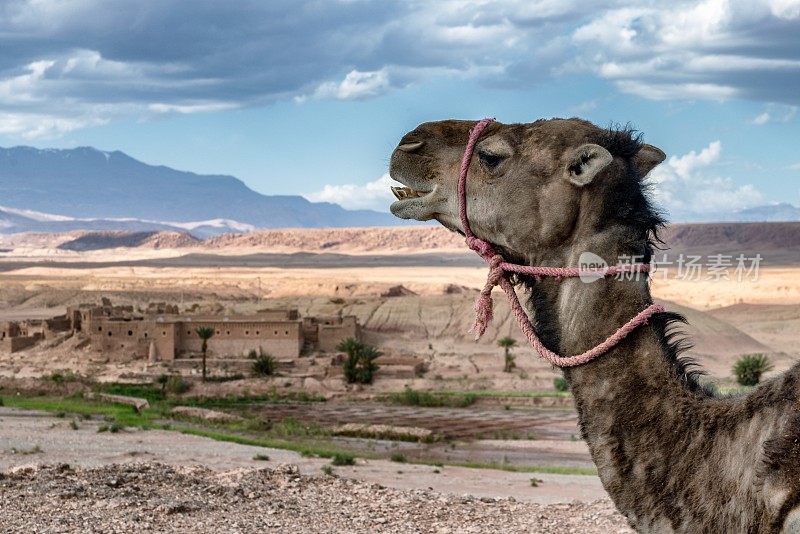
498	275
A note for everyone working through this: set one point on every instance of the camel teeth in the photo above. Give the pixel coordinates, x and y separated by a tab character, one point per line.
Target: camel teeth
402	193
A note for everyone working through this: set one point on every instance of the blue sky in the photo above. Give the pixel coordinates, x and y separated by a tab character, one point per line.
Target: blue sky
310	97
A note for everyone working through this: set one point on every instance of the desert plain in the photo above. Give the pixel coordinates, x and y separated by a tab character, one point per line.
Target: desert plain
515	446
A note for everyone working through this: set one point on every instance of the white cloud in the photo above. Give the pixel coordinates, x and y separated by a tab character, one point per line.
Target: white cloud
355	85
785	9
712	49
690	189
43	126
374	195
199	107
677	91
585	107
687	164
795	167
776	113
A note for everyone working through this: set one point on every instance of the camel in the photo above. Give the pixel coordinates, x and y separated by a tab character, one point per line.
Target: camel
672	456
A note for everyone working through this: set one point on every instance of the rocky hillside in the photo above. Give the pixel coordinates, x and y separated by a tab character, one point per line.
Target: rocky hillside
780	241
154	240
409	239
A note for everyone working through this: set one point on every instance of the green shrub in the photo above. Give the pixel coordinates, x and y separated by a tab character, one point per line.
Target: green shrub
398	457
359	365
225	378
328	470
61	377
509	360
261	458
73	425
749	368
560	383
264	365
413	397
177	385
151	392
162	382
343	458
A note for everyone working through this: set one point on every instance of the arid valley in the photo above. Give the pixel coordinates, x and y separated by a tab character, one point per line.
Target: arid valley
442	413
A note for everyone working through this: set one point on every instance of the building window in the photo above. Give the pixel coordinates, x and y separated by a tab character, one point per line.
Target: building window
247	332
227	332
109	334
188	332
257	332
145	334
217	332
99	328
130	332
286	332
276	332
164	333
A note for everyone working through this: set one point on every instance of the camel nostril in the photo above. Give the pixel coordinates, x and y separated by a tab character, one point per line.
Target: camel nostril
411	147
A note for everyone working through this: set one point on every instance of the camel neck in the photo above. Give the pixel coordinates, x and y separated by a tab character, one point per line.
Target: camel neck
573	315
626	398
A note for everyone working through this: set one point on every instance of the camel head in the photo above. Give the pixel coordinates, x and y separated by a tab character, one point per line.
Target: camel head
530	187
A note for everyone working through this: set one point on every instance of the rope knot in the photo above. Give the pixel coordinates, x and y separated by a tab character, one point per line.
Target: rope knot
484	304
483	248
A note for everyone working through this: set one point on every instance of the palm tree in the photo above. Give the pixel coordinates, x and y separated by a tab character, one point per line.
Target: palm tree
359	365
507	343
205	333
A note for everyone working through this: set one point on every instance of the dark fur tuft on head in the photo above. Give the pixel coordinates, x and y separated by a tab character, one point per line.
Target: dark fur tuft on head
628	201
623	141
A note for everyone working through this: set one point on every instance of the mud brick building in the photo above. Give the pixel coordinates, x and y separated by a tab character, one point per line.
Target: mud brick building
162	337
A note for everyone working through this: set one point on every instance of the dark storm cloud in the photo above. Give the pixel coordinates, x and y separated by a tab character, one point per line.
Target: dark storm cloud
71	63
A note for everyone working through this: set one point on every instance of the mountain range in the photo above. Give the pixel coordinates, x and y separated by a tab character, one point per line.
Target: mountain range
85	188
53	190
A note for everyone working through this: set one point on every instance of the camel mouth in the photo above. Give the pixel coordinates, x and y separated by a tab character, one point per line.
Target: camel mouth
403	193
413	204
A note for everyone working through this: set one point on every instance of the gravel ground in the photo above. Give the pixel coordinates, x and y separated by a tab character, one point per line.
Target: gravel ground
155	497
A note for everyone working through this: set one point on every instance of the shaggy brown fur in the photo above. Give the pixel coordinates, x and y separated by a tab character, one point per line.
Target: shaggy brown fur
673	457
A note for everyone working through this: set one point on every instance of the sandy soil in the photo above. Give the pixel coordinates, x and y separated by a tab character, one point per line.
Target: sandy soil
463	495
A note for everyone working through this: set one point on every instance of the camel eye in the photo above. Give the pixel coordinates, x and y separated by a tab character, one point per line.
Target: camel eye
490	161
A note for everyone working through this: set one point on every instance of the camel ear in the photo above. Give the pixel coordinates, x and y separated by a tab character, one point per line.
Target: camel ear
647	158
585	163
